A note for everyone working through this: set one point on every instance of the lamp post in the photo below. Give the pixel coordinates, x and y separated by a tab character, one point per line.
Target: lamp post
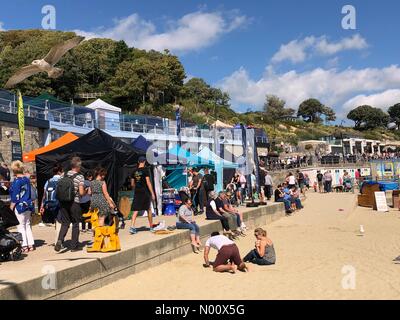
341	137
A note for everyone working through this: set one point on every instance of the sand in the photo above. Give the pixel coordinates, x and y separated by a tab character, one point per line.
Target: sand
314	247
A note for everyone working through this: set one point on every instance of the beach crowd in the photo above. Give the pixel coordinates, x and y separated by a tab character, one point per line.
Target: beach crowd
67	195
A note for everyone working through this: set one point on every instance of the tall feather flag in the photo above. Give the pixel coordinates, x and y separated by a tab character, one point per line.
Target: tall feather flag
21	120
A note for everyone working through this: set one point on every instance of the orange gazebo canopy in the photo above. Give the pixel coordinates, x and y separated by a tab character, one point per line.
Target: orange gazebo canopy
65	139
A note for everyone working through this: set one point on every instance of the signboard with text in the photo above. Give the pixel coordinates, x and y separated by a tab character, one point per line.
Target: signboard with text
381	202
16	151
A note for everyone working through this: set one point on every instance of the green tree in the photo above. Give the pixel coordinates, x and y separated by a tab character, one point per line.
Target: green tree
274	108
394	113
367	117
312	109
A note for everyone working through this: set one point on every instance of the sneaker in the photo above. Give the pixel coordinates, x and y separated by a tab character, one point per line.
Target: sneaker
77	248
58	246
41	224
132	230
153	229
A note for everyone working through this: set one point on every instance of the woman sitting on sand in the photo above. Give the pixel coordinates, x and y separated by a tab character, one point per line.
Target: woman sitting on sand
264	252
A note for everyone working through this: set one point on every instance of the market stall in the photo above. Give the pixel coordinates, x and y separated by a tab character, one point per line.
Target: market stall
96	148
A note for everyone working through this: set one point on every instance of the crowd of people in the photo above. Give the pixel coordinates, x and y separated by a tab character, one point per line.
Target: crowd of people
288	163
67	195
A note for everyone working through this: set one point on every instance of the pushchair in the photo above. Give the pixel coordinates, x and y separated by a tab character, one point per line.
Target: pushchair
348	185
10	242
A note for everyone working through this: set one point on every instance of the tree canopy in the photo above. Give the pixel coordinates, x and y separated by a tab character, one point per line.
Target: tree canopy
312	110
274	108
368	117
394	113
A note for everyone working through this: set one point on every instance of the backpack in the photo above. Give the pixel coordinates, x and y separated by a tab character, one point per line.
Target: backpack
23	198
50	198
65	190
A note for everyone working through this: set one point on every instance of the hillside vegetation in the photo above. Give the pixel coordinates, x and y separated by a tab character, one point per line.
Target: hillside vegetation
150	83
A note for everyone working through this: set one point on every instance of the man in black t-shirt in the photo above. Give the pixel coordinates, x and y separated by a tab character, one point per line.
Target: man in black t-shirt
143	193
208	182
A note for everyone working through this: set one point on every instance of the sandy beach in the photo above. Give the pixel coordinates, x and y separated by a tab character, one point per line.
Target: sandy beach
317	249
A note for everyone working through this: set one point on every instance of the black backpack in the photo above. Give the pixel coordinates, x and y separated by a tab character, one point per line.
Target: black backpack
65	190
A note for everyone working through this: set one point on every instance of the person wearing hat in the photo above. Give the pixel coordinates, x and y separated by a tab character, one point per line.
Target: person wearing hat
143	193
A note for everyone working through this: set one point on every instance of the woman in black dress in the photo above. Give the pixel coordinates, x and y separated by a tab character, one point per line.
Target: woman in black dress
143	193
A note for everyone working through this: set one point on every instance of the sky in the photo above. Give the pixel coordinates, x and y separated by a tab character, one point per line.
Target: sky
291	48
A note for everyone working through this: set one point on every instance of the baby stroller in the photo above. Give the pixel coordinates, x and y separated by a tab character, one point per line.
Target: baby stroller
348	185
10	242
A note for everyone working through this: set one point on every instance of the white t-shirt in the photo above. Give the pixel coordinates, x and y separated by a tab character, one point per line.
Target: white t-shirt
292	180
213	205
217	242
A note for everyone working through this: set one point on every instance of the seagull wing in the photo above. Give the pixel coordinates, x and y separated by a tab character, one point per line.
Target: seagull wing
22	74
56	53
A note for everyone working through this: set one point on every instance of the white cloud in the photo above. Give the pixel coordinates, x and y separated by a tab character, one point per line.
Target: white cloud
294	51
191	32
299	50
1	26
381	100
331	86
356	42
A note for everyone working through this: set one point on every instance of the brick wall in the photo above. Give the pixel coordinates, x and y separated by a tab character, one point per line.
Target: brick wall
33	140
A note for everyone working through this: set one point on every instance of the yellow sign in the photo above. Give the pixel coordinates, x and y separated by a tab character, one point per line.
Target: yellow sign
21	120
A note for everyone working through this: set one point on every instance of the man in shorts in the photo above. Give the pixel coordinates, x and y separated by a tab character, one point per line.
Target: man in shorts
228	258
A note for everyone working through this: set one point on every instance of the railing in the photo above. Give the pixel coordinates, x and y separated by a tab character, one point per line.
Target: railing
81	120
85	120
128	126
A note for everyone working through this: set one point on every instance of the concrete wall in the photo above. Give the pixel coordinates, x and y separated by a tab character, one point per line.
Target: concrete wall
92	274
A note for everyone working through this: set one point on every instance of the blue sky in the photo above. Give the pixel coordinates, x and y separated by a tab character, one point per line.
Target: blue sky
295	49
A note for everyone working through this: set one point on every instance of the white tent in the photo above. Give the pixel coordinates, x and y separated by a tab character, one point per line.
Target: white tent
107	115
206	153
220	124
102	105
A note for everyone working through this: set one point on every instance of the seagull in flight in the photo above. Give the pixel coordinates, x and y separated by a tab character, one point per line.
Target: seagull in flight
46	64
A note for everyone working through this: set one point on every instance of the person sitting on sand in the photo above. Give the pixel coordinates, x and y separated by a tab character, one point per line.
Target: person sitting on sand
227	251
264	253
185	221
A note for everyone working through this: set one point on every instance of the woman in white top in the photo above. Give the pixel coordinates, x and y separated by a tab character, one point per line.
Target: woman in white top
291	180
